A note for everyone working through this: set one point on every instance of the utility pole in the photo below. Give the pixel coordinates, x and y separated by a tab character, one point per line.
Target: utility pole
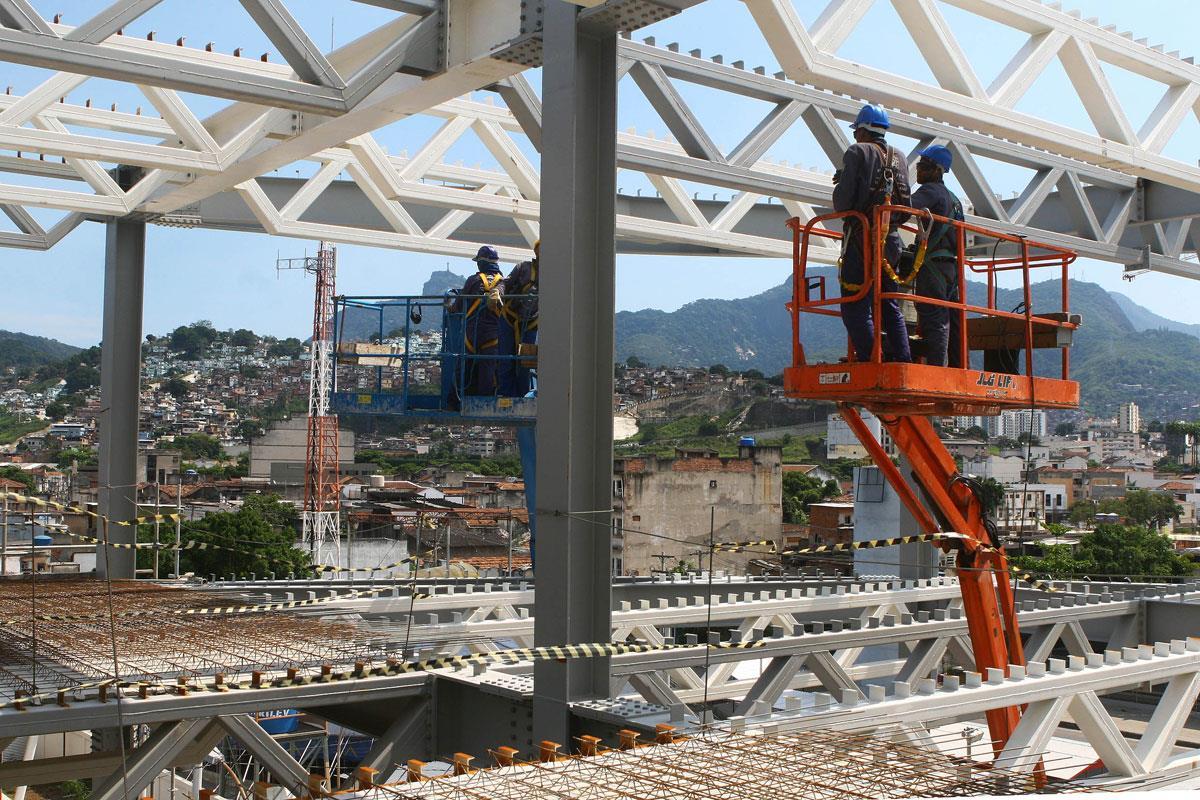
447	548
510	542
662	561
157	514
178	522
4	539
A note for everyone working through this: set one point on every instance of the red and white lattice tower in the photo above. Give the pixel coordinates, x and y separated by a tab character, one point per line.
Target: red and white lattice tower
321	495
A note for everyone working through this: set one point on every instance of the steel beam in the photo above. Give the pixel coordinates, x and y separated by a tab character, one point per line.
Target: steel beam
574	449
91	714
386	752
120	379
283	766
773	681
158	752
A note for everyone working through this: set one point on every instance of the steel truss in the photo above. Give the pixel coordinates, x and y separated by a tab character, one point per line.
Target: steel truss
1110	198
815	636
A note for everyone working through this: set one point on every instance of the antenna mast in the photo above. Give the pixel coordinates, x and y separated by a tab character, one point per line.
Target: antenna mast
322	504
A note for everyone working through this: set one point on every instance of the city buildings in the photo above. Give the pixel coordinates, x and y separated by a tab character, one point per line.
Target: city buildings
672	502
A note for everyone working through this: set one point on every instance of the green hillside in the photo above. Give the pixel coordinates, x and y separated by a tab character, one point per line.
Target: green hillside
22	351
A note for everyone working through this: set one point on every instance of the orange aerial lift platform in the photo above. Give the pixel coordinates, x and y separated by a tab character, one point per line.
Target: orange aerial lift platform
1000	343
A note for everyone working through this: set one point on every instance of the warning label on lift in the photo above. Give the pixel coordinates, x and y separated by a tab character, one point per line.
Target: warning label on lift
995	379
826	378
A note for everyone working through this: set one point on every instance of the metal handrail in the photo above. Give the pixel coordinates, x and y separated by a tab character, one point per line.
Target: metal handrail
405	361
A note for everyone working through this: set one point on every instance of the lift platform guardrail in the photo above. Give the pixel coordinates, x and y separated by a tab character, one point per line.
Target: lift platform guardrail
1000	335
408	377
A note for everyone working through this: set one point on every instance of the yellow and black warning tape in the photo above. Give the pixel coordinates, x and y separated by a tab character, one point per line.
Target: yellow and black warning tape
189	544
1036	583
391	668
212	611
739	547
734	547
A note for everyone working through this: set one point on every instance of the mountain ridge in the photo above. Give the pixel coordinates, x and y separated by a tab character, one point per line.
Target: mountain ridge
25	351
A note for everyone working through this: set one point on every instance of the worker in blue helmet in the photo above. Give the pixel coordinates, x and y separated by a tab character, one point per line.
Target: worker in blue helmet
937	275
873	173
520	324
481	302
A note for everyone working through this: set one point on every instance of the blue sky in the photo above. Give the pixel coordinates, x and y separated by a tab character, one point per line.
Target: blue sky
229	278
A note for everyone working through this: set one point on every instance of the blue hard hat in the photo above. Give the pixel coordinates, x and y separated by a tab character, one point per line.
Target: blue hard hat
487	253
939	155
872	117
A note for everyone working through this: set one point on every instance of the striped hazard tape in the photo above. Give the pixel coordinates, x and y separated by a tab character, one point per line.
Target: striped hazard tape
1036	583
739	547
391	668
735	547
190	544
871	543
213	611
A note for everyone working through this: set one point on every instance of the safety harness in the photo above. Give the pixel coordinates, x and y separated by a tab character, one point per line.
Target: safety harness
513	310
491	282
884	185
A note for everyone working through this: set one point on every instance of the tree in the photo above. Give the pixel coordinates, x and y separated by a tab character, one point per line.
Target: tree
249	429
1150	508
754	375
243	337
261	536
177	388
1111	550
57	410
800	491
718	369
290	347
1029	438
1064	429
191	341
976	432
708	428
992	495
81	378
198	445
648	433
1083	512
19	475
633	362
1155	426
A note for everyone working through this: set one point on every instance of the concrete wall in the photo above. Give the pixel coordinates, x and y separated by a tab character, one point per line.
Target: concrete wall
674	498
287	443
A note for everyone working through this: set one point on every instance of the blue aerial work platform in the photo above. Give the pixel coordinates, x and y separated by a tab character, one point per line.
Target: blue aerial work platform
406	356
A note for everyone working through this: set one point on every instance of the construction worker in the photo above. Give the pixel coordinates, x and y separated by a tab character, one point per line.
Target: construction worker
482	304
937	274
520	323
873	173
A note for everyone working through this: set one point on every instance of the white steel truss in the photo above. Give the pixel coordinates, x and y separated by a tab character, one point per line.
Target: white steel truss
1086	192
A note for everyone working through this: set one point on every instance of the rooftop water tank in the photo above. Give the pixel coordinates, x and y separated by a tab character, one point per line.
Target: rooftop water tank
42	540
377	481
747	441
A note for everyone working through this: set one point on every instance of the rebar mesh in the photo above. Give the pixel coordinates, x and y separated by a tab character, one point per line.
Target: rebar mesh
39	654
723	766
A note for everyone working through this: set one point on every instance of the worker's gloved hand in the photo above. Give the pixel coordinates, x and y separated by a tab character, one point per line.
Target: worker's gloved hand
495	300
837	175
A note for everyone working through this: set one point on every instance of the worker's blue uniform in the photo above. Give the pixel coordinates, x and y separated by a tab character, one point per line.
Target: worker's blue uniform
941	328
481	328
860	188
519	326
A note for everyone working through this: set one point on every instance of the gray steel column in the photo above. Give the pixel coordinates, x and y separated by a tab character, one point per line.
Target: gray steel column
575	362
120	378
